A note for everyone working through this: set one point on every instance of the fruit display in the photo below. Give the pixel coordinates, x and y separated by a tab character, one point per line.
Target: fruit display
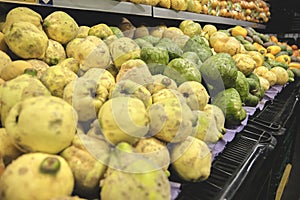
247	10
100	112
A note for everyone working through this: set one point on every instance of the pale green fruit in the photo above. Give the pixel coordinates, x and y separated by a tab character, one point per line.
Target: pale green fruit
129	88
83	31
37	176
90	51
136	70
88	158
22	14
100	30
70	63
134	177
167	93
162	82
171	120
195	94
124	49
155	151
56	77
101	76
191	159
218	116
18	89
86	97
123	119
60	26
88	92
206	129
128	65
44	123
55	53
4	59
26	41
39	65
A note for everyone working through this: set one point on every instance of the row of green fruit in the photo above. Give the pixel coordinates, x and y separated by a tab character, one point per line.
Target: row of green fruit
105	111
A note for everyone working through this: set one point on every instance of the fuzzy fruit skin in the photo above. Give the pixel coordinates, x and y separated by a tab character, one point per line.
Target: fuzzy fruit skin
195	94
171	120
44	123
13	69
86	97
4	59
19	88
91	52
8	150
26	175
218	115
161	82
206	129
191	159
26	40
87	157
123	119
154	150
131	177
60	27
55	53
22	14
56	77
124	49
130	88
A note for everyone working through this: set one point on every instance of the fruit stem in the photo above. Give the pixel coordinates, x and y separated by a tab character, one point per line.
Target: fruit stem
50	165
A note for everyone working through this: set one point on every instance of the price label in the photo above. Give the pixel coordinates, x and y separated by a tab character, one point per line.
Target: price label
47	2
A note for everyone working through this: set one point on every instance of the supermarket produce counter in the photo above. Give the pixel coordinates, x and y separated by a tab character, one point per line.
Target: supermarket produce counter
259	139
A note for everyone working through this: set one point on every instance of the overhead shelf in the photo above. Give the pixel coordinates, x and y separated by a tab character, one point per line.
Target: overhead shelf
106	6
121	7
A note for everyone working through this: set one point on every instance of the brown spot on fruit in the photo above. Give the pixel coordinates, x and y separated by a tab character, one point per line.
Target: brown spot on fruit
22	171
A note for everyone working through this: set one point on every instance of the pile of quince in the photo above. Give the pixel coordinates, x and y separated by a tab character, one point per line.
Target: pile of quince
85	113
105	111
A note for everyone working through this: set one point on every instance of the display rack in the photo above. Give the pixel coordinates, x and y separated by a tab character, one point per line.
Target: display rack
111	6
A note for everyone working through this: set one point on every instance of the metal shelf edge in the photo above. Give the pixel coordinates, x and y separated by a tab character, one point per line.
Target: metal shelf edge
106	6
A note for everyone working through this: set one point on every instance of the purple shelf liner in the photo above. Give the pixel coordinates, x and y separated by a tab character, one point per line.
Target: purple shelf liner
218	147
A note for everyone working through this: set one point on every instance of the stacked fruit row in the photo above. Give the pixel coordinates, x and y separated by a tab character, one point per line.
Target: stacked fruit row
106	111
247	10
